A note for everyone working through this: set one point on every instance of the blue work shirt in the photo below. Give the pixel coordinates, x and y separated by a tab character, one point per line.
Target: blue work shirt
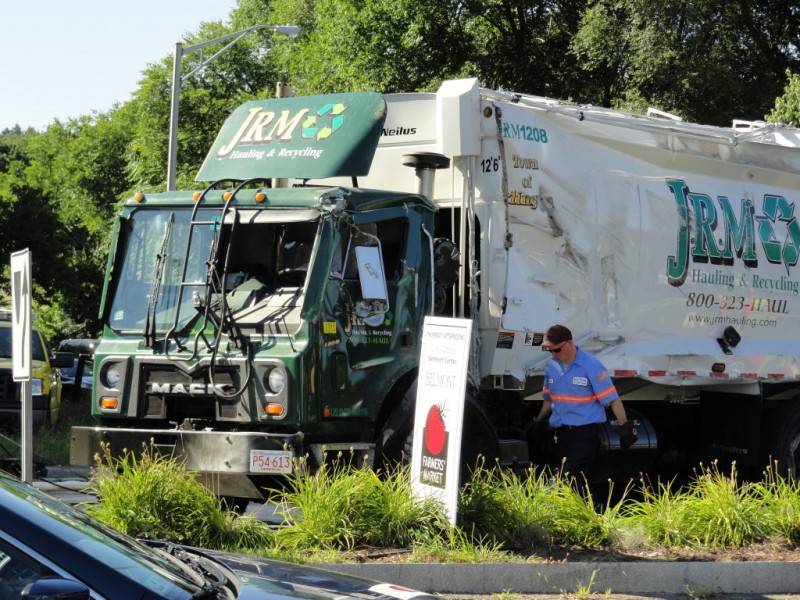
579	391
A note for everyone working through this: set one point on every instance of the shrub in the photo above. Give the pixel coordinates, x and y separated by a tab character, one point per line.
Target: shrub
153	496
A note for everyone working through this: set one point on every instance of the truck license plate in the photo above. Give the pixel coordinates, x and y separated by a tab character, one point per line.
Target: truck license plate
270	461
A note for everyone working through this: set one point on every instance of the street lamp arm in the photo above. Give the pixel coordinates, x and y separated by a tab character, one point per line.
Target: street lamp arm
204	62
180	52
288	30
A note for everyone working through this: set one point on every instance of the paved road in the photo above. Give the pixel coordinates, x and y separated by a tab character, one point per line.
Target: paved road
604	596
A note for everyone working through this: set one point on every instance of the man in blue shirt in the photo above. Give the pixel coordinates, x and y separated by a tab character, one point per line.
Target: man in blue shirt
576	391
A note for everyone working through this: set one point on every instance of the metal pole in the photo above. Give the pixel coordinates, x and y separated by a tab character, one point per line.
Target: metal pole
172	157
26	408
282	90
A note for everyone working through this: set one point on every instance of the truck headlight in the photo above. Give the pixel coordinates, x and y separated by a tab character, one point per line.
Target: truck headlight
36	387
276	380
111	376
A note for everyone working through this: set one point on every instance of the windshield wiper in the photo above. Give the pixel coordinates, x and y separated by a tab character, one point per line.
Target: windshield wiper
209	590
212	581
161	259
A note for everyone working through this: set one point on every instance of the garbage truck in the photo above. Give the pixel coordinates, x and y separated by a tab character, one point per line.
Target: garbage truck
274	314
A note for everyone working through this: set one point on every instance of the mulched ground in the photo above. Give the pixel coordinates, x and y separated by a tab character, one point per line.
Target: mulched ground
763	552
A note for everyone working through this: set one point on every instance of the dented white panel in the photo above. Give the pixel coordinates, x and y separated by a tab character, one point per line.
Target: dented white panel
645	236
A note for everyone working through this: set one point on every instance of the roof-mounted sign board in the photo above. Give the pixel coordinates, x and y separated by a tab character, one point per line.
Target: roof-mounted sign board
309	137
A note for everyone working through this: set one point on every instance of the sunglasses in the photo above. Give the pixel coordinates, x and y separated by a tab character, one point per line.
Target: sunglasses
556	350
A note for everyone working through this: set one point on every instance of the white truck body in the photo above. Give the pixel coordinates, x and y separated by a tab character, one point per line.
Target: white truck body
646	236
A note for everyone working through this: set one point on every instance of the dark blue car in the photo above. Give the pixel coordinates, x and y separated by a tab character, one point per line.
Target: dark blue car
51	550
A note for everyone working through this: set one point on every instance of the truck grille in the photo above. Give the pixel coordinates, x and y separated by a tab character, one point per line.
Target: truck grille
174	395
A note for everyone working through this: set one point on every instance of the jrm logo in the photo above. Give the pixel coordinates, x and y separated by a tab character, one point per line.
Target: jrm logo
263	126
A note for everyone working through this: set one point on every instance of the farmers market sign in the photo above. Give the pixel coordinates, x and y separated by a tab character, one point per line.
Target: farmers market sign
439	417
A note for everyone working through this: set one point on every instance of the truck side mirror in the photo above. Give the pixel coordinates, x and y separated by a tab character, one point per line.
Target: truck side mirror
375	297
62	360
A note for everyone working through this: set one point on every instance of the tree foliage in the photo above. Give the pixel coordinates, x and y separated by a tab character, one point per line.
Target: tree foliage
707	60
787	106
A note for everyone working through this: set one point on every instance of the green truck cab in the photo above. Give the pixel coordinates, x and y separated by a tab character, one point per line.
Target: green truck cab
248	326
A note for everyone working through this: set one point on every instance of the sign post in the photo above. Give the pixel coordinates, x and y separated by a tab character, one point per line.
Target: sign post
21	351
439	415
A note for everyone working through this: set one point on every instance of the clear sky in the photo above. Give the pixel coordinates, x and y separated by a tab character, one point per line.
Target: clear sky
67	58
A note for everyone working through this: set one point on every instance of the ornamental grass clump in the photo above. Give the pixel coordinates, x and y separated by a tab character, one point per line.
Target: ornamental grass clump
153	496
721	512
343	507
659	514
576	519
780	497
507	508
715	511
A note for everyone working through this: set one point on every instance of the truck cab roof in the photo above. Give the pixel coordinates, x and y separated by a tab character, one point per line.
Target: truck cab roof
299	198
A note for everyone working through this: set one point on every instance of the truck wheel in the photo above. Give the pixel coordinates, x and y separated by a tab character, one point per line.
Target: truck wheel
479	442
393	445
783	432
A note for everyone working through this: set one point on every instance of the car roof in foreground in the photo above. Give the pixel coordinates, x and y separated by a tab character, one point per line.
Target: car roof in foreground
82	546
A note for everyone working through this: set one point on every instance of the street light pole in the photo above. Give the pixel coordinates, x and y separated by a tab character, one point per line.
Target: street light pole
177	79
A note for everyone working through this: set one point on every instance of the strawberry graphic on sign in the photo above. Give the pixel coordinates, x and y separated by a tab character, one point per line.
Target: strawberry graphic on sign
434	434
434	448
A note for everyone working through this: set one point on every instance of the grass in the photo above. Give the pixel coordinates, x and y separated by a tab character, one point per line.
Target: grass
343	507
341	510
50	443
151	496
715	511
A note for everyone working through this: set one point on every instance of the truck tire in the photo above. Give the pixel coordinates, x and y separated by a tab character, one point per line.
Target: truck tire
479	443
393	445
782	440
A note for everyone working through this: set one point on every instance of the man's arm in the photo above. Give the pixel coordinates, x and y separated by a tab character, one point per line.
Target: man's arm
544	411
619	411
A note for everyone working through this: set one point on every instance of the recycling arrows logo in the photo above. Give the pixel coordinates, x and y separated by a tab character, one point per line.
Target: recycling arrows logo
324	124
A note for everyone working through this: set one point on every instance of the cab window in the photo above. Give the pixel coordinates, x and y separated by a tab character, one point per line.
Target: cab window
390	235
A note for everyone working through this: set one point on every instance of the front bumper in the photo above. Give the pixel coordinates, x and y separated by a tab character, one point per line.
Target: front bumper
221	459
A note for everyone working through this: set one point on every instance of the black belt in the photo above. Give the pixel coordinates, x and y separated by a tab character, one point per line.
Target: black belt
571	427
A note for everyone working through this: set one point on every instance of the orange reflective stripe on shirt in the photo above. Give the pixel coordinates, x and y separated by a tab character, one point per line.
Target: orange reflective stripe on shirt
578	399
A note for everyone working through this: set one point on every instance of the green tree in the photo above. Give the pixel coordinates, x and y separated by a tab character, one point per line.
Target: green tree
523	45
381	45
708	60
58	200
787	106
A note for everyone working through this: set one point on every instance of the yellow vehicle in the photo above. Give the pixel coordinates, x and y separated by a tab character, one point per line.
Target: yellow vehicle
45	377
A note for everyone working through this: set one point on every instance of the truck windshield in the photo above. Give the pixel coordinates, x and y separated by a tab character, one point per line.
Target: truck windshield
142	240
263	255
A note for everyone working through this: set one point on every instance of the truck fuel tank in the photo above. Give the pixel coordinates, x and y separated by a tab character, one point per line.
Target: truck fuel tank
615	463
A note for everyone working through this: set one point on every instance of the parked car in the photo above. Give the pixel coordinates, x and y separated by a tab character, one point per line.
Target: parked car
45	376
82	351
51	550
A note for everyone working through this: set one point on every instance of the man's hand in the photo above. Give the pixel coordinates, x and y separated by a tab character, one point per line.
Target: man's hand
627	435
539	424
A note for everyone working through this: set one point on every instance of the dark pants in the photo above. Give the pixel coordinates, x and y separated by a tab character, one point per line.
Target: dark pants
576	450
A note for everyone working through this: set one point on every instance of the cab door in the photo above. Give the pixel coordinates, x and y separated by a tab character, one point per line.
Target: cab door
366	320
